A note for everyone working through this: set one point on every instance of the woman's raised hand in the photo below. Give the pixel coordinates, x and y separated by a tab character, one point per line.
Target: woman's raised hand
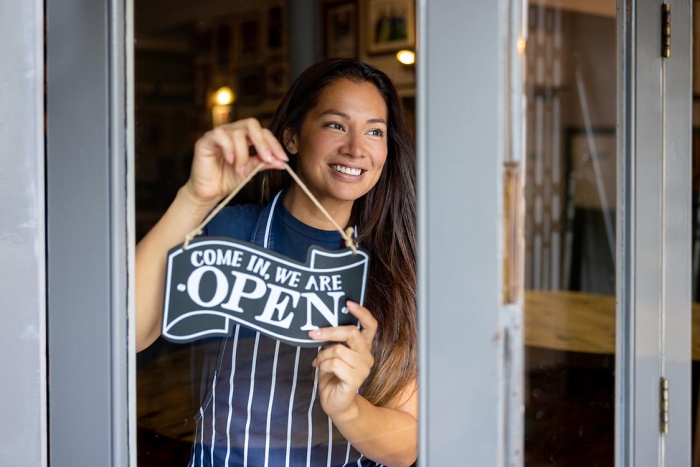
222	157
344	367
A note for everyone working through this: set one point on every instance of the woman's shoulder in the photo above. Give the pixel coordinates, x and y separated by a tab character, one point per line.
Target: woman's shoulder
234	221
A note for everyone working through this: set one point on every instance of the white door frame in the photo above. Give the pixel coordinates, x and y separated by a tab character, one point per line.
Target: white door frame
90	227
462	147
653	275
470	338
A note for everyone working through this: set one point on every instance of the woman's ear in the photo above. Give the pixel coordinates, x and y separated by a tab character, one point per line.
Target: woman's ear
289	140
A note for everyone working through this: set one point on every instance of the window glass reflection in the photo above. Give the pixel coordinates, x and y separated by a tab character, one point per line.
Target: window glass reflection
570	235
206	64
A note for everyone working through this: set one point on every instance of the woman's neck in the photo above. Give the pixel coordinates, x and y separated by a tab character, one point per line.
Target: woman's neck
299	205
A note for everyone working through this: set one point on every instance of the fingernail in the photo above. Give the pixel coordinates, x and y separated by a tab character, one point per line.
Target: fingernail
267	155
315	333
351	304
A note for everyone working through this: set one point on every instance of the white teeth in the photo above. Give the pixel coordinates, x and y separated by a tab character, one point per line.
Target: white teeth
346	170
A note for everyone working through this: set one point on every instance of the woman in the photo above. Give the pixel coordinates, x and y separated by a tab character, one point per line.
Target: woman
344	130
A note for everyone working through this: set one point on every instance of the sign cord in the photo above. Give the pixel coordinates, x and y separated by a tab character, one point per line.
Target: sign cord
346	234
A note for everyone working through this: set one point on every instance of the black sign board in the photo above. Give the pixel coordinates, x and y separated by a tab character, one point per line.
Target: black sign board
219	281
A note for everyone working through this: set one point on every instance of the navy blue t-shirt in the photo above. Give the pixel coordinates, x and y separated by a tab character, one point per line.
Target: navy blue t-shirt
261	406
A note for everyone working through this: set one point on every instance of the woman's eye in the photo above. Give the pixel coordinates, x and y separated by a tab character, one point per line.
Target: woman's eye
334	126
376	132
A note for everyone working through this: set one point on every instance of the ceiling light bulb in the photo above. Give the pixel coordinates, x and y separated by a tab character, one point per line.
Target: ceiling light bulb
224	96
407	57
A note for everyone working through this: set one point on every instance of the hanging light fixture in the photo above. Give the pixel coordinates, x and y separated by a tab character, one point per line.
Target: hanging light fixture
222	101
407	57
224	96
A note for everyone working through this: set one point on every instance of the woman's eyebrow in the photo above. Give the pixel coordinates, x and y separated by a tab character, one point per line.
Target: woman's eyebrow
347	117
376	120
337	113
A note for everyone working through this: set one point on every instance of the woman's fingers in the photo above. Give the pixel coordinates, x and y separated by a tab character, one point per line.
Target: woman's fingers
344	365
233	140
345	369
350	357
368	323
352	360
264	142
277	154
348	334
248	133
216	141
352	336
240	140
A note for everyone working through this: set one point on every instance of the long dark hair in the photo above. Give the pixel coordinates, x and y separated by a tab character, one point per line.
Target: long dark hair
385	216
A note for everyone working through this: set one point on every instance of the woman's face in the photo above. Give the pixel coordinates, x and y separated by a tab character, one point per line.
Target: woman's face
342	144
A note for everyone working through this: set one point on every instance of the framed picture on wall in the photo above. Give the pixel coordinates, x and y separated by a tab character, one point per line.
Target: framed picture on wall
340	29
276	35
390	25
223	46
251	85
248	40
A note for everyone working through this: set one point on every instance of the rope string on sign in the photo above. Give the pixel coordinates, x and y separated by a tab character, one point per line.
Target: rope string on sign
346	234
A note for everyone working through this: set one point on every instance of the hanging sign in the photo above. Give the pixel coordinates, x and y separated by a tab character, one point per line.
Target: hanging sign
218	281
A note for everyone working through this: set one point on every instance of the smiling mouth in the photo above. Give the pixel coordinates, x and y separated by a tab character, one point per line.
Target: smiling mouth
346	170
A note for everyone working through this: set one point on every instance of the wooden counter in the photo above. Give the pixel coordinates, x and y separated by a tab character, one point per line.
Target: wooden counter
570	321
579	322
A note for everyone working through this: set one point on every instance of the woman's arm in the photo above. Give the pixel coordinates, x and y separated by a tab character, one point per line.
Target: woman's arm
183	215
221	162
388	434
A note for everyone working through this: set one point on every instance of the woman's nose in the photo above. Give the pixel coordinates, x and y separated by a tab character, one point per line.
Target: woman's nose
354	145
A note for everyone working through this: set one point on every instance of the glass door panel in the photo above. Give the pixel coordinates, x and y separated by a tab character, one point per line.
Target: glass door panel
570	259
183	60
185	66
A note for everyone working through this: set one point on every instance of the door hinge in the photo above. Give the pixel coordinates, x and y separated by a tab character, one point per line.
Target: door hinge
663	404
666	30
